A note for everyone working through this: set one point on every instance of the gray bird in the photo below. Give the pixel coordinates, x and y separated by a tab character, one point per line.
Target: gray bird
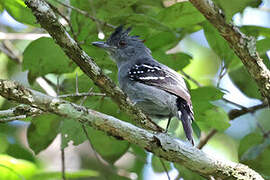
155	88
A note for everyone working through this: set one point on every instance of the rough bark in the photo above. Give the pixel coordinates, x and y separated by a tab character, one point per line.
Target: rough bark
243	46
161	144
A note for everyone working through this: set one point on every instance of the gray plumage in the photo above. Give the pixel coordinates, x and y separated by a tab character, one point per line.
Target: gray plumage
158	90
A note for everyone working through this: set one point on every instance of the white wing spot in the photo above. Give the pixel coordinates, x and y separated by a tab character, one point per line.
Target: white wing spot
150	67
151	78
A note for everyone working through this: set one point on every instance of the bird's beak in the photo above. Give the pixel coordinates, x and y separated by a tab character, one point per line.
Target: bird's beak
101	44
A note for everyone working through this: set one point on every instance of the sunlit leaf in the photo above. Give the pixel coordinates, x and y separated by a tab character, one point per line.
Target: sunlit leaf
16	169
18	10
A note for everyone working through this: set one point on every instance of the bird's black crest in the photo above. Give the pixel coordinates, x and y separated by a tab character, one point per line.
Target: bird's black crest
121	33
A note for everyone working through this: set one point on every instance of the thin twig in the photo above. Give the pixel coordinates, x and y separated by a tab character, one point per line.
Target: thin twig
62	149
165	168
205	139
264	132
85	97
261	127
57	86
63	169
92	147
222	73
6	48
76	84
234	113
191	79
82	94
233	103
86	14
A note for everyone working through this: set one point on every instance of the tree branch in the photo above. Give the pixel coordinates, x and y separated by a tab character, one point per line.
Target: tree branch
243	46
49	21
20	110
234	113
162	145
204	139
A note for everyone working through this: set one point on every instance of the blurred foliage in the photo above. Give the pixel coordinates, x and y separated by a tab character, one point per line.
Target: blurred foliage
162	28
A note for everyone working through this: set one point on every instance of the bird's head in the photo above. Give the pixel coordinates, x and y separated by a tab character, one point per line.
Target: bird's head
123	47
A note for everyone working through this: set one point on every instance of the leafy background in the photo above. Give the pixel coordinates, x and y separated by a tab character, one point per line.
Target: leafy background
180	37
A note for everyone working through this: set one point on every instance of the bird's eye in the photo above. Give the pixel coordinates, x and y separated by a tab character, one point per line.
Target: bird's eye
122	43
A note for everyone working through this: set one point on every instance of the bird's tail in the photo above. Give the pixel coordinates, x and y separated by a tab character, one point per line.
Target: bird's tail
185	113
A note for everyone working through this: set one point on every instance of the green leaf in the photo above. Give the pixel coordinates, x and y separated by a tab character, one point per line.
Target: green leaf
71	131
139	163
263	46
213	118
140	20
107	146
107	106
244	82
206	93
230	7
115	8
196	129
43	56
149	7
248	141
20	152
110	148
157	165
219	44
179	15
175	61
186	173
254	151
207	115
18	10
256	31
42	131
4	142
16	169
160	40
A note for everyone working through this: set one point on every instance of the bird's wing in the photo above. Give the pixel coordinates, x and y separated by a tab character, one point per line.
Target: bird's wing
160	76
